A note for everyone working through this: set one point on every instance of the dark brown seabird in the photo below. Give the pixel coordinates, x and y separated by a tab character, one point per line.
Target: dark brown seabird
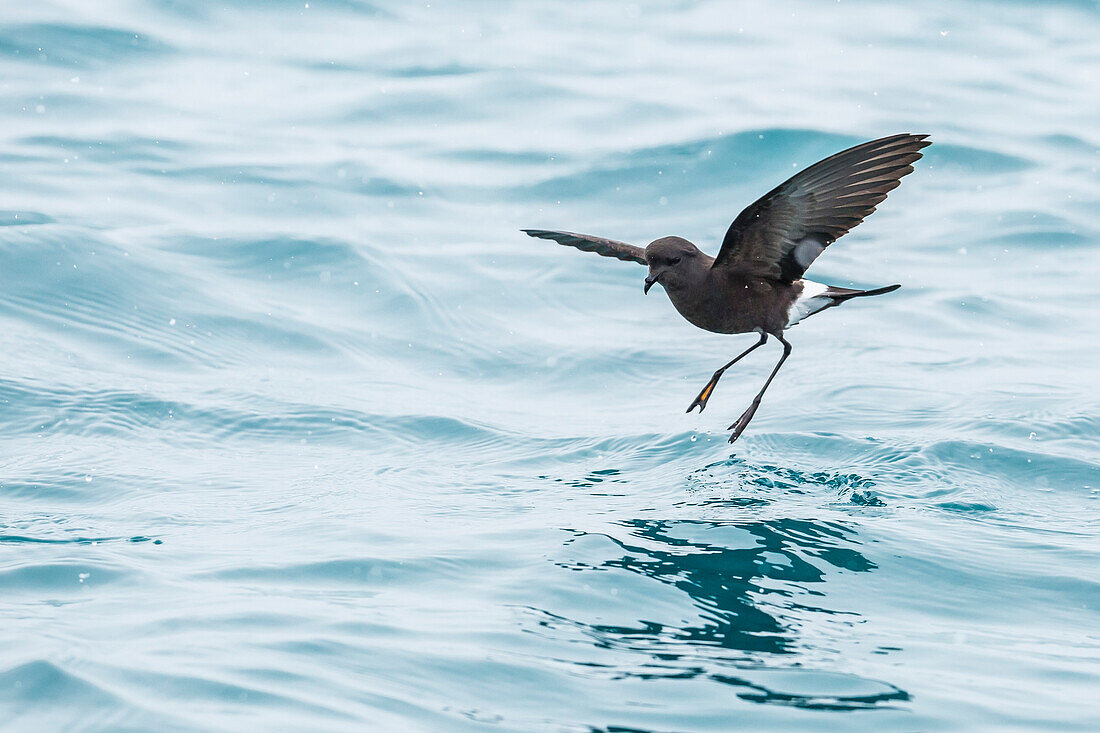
755	283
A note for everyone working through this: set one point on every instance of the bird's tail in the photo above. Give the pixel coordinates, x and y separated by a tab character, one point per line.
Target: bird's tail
839	295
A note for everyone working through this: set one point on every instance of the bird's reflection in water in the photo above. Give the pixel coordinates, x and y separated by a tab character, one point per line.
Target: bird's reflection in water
754	586
725	582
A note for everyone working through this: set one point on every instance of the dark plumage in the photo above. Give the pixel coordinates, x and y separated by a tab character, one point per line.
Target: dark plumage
755	283
599	245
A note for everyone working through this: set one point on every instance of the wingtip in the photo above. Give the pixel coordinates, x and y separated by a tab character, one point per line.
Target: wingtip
917	139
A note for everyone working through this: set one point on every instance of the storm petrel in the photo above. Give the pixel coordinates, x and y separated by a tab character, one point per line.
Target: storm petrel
755	283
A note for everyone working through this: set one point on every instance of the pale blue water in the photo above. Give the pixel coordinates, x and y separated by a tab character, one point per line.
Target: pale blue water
300	433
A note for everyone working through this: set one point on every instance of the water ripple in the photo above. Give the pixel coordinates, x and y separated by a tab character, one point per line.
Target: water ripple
302	433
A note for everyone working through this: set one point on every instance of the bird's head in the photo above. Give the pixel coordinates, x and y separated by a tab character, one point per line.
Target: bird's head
671	260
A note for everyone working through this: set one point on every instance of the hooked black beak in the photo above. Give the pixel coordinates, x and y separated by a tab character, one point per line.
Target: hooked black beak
649	283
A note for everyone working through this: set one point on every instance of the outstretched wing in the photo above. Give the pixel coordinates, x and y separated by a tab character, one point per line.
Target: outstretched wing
588	243
782	233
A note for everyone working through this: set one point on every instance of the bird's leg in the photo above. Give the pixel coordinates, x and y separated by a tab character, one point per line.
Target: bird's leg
701	400
743	421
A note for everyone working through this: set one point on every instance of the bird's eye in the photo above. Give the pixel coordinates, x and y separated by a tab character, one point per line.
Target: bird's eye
674	260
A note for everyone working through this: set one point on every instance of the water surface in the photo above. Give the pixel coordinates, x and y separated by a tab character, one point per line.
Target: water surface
302	434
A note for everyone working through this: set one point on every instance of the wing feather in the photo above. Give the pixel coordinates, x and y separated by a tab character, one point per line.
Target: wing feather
780	235
589	243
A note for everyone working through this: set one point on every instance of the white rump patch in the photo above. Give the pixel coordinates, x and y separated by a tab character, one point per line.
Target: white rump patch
810	301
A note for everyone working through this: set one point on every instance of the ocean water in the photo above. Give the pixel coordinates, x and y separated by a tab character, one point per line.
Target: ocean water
301	433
